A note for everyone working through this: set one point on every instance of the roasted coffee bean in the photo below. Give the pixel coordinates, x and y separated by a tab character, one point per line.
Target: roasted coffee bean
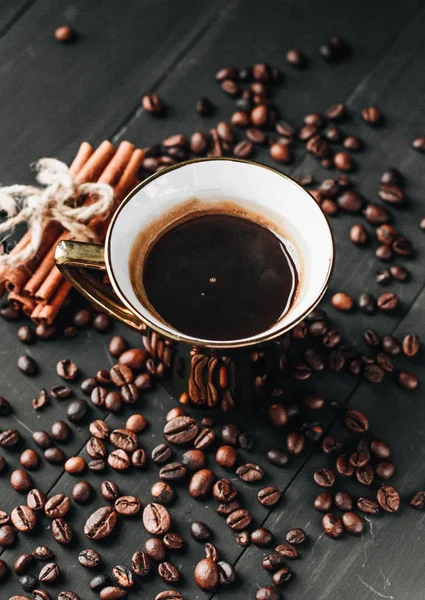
243	539
250	472
324	477
323	502
343	161
101	523
156	519
399	273
388	498
368	506
43	553
200	531
226	573
173	541
268	592
77	411
380	449
371	115
161	453
352	523
23	563
98	395
89	558
40	401
9	438
4	518
43	595
123	576
374	373
168	572
280	153
417	501
383	276
376	214
27	365
49	573
342	301
204	439
128	506
20	480
332	525
343	501
57	506
99	582
174	471
384	253
277	414
261	537
343	466
169	595
230	433
365	475
138	458
278	457
282	576
117	345
273	562
23	518
224	510
60	431
75	465
201	483
226	456
112	593
140	563
101	322
359	459
269	496
119	460
239	519
388	301
61	531
224	491
155	549
121	374
27	583
295	442
206	575
390	345
7	536
288	551
136	423
66	595
356	421
109	490
411	345
152	104
384	469
408	381
295	536
359	235
162	492
124	439
96	448
67	369
181	430
367	303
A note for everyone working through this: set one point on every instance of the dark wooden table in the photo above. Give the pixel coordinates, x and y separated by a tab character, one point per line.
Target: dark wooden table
53	96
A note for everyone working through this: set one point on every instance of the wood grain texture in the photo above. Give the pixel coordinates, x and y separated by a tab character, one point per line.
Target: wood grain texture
386	69
55	95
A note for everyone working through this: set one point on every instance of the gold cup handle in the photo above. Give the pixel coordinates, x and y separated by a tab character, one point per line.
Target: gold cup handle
75	260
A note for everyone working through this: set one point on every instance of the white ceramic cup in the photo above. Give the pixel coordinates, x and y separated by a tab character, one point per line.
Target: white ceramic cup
257	190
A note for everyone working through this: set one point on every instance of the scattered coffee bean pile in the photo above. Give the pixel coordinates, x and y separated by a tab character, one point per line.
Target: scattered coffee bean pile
186	456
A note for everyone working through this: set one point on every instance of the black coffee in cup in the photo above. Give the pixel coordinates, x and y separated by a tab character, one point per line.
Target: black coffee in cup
217	276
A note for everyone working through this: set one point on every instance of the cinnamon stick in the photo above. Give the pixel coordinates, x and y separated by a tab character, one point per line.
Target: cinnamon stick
16	277
47	313
84	152
97	162
20	302
110	174
43	269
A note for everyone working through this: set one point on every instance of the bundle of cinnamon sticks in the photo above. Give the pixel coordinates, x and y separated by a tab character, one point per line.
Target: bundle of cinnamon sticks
37	287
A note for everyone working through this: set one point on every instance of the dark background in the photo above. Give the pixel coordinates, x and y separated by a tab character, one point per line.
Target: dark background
54	96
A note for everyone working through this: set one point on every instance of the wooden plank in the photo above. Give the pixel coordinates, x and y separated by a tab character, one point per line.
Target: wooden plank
54	95
11	11
371	567
233	33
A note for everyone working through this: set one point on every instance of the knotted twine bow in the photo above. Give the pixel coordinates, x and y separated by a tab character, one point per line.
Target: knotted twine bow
60	200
